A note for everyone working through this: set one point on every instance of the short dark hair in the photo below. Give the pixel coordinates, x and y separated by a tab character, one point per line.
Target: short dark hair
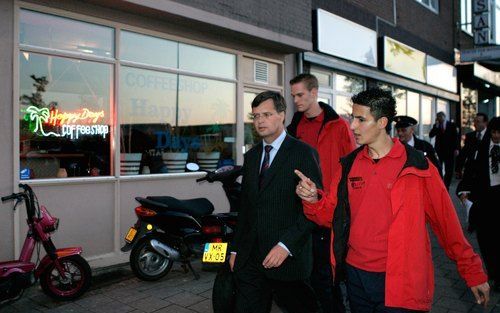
309	80
494	124
380	102
483	115
278	100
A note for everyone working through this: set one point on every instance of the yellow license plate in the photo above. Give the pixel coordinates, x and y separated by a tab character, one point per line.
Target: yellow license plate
130	234
215	252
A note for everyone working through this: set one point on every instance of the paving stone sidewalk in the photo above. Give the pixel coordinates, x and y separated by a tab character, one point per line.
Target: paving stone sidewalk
117	290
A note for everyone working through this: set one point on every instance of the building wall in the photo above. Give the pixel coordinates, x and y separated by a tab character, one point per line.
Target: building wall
413	24
294	18
6	140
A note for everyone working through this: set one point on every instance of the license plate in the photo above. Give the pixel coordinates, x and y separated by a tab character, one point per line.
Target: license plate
215	252
130	234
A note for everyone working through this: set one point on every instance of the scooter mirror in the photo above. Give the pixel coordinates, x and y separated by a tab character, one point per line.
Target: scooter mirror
192	167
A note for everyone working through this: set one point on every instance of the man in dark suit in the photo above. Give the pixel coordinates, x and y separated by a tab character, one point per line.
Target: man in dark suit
272	247
481	185
446	145
471	143
406	133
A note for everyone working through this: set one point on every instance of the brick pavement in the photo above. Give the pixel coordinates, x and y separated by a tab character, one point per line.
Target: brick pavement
117	290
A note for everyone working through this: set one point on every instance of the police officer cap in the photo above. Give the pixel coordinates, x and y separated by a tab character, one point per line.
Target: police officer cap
403	121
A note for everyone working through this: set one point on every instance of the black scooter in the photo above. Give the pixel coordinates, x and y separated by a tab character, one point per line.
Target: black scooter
171	230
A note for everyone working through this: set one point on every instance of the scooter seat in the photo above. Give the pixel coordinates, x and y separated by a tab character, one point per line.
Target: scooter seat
195	207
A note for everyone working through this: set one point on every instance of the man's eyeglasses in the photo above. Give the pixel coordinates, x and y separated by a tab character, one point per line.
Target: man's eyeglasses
265	115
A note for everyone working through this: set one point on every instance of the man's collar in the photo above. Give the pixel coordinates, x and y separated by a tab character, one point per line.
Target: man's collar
277	142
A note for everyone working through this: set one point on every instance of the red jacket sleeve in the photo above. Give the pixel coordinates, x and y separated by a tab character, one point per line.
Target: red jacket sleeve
443	219
321	212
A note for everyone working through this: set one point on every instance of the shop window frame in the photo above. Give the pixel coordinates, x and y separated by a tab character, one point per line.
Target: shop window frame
117	64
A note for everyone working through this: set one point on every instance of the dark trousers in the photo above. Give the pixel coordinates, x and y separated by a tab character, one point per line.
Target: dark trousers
329	294
366	292
448	163
254	291
486	224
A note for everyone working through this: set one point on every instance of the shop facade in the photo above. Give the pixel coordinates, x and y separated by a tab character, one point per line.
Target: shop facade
422	84
106	103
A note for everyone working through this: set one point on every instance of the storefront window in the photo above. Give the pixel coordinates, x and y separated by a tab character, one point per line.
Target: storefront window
426	118
400	97
148	50
251	136
54	32
413	106
344	106
172	98
65	122
324	79
206	61
349	84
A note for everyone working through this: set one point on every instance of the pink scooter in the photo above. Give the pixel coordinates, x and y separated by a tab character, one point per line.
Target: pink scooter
63	273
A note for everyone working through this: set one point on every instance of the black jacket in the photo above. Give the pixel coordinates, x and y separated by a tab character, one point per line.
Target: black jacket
274	213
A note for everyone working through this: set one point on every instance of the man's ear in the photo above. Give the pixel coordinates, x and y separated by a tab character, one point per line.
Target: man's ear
382	122
314	92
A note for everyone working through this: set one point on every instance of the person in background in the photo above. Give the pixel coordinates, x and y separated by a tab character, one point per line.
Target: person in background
378	207
447	144
481	185
405	129
471	143
317	124
272	246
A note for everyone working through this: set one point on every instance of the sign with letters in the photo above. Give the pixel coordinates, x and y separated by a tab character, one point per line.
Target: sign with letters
482	21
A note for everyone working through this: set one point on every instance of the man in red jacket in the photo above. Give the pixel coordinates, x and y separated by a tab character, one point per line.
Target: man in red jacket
378	206
317	124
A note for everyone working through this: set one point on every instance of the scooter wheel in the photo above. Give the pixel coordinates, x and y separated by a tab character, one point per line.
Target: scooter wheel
77	281
146	263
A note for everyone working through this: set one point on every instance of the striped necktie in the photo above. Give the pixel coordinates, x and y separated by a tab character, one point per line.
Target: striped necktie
265	164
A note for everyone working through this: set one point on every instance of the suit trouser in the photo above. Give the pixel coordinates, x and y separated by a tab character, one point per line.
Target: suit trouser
448	163
254	291
329	294
366	292
488	233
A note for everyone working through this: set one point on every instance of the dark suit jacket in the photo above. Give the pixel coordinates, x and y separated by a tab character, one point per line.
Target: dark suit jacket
428	151
476	179
446	142
274	212
467	153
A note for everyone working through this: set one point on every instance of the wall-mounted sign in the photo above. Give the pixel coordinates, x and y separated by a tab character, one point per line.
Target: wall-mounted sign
66	124
481	21
404	60
441	75
487	75
342	38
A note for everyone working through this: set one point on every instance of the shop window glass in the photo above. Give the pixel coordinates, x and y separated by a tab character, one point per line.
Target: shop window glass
343	106
400	97
206	61
165	116
349	84
324	79
442	106
251	136
426	118
413	106
65	122
54	32
148	50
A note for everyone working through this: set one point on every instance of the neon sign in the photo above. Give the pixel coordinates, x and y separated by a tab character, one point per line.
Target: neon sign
69	124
